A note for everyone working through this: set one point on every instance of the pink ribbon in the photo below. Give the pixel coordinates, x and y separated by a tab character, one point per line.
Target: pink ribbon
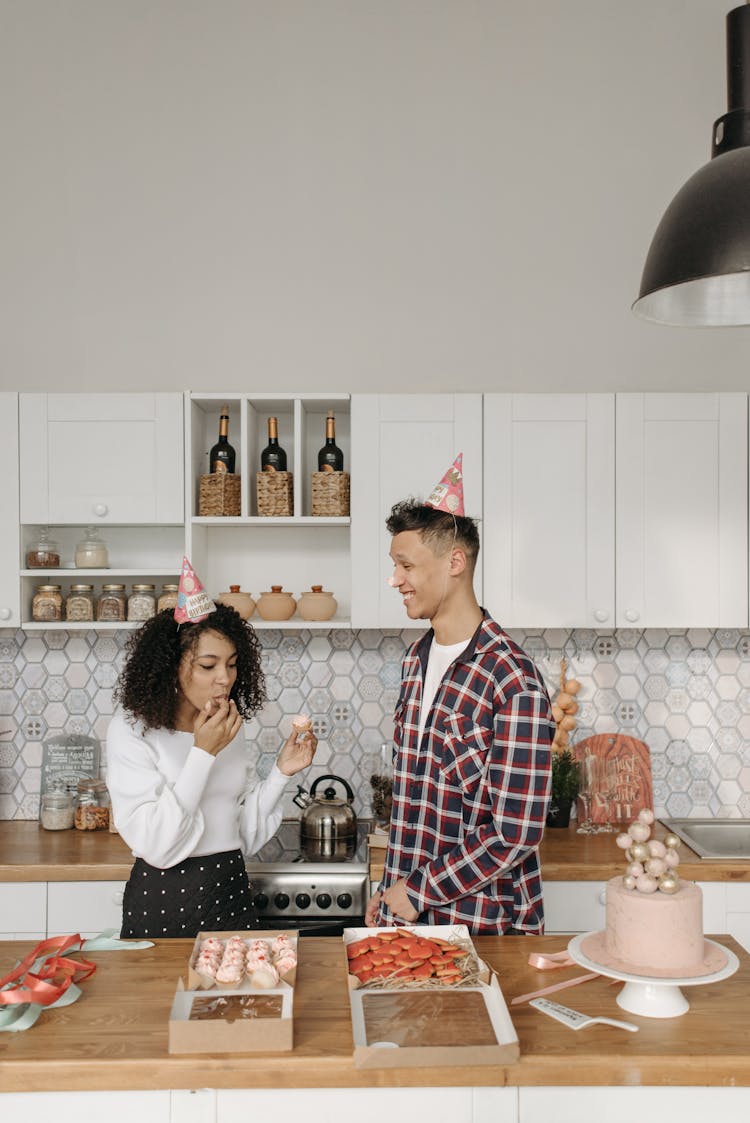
550	963
52	978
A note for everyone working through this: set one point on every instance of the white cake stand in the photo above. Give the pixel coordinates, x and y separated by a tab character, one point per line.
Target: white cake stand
653	998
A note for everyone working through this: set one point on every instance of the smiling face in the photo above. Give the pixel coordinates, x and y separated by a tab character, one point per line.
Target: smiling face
206	674
421	576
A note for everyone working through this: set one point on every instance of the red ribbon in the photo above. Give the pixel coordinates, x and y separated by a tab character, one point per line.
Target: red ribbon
50	981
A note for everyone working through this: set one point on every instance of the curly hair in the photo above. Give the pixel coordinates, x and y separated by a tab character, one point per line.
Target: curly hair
148	687
438	528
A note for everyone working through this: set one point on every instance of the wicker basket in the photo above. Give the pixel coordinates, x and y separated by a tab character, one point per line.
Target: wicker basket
330	493
219	494
275	498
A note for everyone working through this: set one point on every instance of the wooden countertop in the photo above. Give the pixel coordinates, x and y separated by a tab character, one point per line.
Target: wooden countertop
569	856
29	853
115	1035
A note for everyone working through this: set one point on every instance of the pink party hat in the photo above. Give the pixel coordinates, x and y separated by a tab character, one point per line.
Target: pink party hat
193	602
448	495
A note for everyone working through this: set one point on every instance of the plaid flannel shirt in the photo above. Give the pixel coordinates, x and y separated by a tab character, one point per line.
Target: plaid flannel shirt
470	800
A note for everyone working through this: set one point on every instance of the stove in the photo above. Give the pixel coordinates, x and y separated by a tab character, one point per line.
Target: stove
291	891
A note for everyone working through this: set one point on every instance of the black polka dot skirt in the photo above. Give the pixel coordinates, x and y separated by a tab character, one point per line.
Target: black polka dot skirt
210	894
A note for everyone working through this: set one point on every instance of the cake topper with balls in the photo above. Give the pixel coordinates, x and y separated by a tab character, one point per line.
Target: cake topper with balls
652	864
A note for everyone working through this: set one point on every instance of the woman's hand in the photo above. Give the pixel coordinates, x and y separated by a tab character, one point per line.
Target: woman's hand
216	727
297	752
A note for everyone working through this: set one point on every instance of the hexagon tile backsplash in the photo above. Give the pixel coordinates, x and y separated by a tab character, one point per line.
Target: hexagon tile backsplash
685	693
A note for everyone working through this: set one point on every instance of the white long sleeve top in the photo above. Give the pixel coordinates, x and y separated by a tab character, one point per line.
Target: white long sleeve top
171	800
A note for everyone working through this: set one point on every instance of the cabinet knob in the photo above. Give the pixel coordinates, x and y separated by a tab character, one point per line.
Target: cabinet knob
100	509
5	614
631	615
601	615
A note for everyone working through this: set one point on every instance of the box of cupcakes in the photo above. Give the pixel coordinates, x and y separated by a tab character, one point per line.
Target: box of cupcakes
239	994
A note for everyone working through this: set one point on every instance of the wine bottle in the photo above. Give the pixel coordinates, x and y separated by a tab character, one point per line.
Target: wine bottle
273	457
221	456
330	457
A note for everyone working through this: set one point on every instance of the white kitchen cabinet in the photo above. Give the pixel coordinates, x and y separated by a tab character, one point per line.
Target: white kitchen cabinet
402	445
253	551
114	461
10	601
573	906
23	910
682	510
579	906
85	907
101	458
549	510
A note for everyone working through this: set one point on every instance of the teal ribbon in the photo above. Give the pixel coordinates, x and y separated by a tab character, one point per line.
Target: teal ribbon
13	1019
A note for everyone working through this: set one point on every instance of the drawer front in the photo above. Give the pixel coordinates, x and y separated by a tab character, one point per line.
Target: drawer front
23	910
86	907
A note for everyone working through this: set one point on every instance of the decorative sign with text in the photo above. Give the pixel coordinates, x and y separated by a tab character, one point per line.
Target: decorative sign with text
67	759
615	778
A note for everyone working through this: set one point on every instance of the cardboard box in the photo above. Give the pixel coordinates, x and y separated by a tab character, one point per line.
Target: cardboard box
206	1018
428	1027
196	981
234	1033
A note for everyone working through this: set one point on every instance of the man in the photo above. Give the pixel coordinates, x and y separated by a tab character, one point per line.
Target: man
473	729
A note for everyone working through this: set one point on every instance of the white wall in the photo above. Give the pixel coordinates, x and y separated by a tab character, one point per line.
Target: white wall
348	195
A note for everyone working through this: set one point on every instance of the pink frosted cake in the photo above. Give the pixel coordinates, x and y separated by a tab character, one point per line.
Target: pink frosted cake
656	931
654	919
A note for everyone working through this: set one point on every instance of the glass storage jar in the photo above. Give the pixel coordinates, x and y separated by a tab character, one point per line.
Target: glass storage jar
111	603
168	598
80	603
43	552
91	551
57	810
92	806
47	603
142	603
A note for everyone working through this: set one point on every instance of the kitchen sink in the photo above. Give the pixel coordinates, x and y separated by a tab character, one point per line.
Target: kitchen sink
713	838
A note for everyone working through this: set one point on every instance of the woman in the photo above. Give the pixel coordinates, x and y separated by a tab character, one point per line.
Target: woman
177	774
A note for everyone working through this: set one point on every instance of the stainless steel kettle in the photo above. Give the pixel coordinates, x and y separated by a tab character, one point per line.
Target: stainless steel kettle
328	826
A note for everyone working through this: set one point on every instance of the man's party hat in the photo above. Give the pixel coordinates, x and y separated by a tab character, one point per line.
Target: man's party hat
448	495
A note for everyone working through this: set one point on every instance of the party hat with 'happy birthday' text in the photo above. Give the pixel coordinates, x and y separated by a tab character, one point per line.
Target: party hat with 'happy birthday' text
193	602
448	495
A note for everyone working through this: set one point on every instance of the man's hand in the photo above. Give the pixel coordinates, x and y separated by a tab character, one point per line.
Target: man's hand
397	900
371	910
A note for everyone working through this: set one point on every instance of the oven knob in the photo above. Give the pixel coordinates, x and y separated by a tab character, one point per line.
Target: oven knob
281	900
260	900
323	900
344	900
302	900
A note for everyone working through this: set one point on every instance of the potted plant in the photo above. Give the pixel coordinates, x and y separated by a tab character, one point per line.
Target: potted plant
566	782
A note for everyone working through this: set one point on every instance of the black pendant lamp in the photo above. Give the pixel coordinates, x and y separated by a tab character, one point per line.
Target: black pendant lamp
697	273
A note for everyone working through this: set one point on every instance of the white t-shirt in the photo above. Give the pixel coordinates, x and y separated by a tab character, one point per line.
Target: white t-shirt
171	800
438	662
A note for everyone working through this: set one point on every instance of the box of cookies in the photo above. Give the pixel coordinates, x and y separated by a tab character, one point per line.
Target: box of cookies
239	995
421	996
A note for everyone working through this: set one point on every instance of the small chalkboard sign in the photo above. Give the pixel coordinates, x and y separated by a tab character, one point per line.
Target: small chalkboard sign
68	758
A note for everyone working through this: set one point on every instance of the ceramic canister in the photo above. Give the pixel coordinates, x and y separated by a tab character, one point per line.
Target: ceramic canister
276	604
242	603
317	604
